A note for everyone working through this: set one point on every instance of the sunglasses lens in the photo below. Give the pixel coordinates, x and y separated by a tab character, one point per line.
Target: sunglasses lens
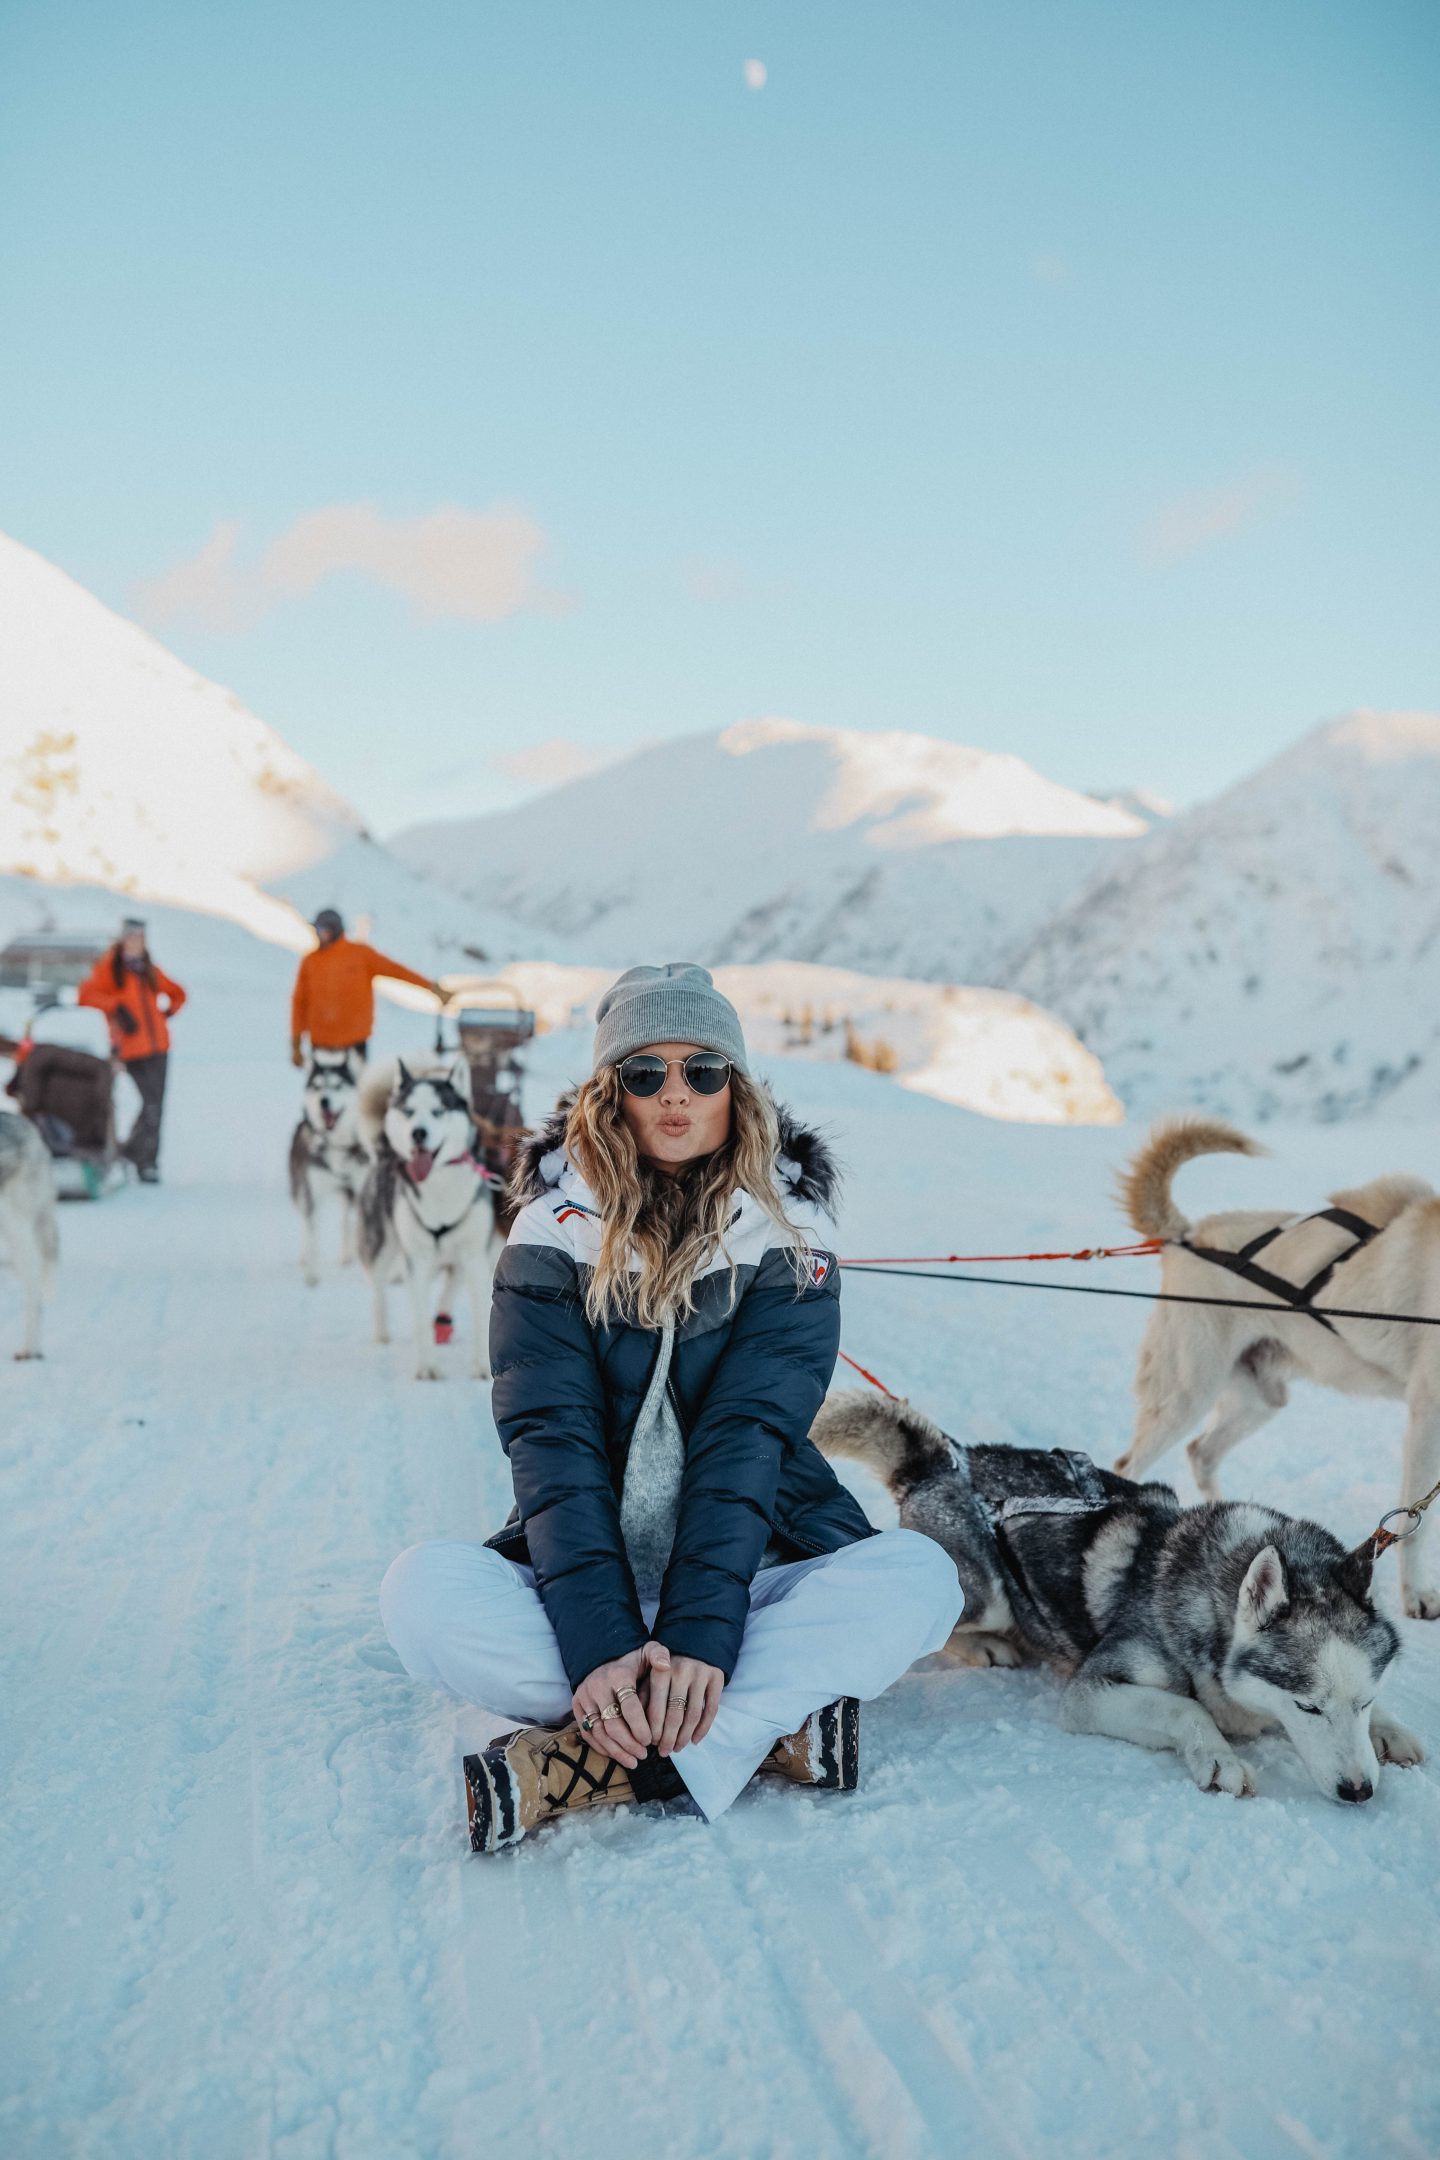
707	1074
642	1076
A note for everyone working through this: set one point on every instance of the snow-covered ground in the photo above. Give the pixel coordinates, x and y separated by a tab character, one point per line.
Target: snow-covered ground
240	1918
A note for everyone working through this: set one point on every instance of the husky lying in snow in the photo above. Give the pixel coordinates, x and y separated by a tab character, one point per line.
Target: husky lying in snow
427	1208
1181	1628
1226	1370
326	1158
29	1235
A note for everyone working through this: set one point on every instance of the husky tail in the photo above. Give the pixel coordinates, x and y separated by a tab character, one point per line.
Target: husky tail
372	1100
898	1443
1145	1183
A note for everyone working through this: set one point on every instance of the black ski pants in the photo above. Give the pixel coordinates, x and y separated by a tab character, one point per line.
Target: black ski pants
148	1074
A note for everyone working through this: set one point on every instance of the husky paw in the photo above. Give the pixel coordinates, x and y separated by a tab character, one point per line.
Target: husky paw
1219	1771
1422	1604
1394	1744
29	1357
1204	1472
983	1651
426	1371
481	1371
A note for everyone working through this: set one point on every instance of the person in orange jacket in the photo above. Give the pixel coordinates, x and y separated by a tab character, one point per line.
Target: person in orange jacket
334	1001
138	1000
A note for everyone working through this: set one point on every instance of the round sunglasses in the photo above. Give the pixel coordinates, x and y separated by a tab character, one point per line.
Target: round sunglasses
706	1072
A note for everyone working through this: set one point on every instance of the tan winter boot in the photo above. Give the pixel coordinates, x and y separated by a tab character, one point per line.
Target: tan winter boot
825	1752
524	1778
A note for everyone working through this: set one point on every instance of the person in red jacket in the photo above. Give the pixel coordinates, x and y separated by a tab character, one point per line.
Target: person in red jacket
334	1001
139	1000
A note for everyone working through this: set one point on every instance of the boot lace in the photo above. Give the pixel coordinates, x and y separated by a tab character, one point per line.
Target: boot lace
581	1778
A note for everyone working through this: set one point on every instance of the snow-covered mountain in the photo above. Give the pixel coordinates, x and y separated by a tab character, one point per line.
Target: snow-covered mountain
1277	951
889	852
121	767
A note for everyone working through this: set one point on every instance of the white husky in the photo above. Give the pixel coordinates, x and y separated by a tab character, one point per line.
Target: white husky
327	1161
28	1231
1375	1249
427	1208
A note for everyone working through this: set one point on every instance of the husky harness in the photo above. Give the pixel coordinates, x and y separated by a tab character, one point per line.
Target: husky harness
1299	1295
1040	1538
483	1178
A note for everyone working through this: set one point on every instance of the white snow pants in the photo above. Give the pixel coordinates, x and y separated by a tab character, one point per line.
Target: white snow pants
464	1618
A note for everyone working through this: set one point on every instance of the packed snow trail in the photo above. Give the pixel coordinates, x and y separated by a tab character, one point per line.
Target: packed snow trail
240	1915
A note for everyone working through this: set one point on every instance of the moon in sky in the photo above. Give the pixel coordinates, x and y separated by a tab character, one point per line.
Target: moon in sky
756	74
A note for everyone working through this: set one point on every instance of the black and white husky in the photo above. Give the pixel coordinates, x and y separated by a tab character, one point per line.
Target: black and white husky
29	1236
1181	1628
327	1161
428	1206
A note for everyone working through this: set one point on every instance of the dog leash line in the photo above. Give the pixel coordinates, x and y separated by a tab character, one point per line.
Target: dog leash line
1149	1297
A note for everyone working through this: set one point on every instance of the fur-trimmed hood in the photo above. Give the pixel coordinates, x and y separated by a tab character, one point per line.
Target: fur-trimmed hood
805	1165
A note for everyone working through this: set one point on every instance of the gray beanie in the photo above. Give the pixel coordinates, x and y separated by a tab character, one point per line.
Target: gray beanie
674	1003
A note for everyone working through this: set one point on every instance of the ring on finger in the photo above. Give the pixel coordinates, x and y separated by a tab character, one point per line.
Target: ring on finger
587	1723
613	1711
622	1692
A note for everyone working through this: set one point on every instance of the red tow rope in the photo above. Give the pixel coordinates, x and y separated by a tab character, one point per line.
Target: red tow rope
952	1259
856	1366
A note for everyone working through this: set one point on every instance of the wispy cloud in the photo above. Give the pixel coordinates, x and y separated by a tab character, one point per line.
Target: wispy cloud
1199	520
1050	269
756	74
450	564
550	763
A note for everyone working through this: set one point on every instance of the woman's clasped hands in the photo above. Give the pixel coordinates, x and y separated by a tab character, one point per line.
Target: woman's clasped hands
647	1699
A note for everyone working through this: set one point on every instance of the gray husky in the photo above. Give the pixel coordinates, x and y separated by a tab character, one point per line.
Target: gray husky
28	1231
1179	1627
428	1206
327	1161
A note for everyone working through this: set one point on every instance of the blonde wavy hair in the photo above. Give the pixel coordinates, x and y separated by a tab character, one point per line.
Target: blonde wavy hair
673	1224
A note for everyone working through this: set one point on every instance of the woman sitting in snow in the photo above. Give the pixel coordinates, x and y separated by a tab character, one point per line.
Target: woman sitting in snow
684	1594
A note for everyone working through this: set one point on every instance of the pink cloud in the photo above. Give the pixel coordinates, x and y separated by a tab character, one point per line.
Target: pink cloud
1198	520
450	564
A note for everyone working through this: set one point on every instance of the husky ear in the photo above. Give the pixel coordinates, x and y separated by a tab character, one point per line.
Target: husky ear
1263	1593
459	1076
403	1077
1355	1571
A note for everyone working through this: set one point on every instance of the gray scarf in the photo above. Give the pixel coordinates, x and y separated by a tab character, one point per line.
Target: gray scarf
650	1496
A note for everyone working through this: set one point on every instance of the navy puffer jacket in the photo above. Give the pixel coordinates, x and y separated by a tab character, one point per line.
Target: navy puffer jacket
746	1379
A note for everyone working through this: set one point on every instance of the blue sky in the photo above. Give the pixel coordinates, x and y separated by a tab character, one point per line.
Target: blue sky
458	381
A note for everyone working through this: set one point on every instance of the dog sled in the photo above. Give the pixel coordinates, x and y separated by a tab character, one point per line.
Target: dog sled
64	1075
492	1026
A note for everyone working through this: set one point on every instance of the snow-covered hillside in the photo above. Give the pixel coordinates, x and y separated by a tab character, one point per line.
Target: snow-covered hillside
121	767
985	1050
1275	953
889	852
